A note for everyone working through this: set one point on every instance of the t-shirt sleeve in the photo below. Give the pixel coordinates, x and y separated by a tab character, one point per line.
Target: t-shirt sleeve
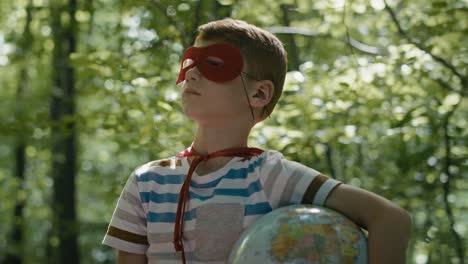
127	228
286	182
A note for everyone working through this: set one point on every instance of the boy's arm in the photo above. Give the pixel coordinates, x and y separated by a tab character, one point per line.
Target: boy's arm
130	258
388	224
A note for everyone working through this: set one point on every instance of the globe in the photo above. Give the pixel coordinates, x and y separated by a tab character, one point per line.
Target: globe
301	234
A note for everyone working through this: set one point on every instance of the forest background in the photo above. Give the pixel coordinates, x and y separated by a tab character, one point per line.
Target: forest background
375	97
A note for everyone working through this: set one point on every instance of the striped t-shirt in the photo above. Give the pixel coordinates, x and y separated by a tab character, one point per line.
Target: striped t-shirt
222	204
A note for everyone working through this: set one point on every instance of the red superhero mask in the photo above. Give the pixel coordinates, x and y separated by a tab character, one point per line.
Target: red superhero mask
218	62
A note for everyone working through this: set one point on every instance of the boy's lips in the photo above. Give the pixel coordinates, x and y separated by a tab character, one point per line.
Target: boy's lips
190	91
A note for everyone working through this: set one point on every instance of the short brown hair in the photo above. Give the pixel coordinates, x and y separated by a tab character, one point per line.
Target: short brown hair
264	53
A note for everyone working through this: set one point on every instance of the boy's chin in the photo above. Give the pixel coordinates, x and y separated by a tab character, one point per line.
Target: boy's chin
194	116
209	119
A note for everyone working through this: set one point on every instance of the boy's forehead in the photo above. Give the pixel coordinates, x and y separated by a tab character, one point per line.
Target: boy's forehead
200	43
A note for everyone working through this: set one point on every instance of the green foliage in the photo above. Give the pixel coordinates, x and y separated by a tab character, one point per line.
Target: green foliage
372	103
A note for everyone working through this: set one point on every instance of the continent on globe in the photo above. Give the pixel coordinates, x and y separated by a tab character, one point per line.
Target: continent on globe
312	243
301	234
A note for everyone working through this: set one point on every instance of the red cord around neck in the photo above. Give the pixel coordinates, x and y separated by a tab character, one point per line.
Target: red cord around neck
184	191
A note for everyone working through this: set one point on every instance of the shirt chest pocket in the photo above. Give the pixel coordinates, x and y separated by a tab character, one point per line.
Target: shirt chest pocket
217	229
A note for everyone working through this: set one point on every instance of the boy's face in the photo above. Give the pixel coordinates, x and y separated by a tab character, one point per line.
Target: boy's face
212	84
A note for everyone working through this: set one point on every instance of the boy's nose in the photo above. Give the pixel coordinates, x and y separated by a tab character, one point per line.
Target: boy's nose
193	74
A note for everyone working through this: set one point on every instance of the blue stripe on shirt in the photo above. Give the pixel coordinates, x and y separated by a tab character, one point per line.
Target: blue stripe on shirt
258	208
161	179
155	197
241	173
169	217
232	174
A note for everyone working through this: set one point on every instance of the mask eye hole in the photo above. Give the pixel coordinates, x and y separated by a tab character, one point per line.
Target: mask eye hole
187	63
214	61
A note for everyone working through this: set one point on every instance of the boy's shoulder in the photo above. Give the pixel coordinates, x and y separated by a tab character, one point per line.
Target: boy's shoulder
167	162
274	157
160	165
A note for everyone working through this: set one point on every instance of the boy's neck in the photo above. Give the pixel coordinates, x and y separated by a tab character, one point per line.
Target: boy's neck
210	139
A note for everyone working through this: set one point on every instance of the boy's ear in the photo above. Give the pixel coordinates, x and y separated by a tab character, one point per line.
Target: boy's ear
262	93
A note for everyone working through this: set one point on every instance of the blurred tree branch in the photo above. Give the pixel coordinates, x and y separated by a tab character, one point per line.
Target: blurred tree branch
437	58
364	48
173	22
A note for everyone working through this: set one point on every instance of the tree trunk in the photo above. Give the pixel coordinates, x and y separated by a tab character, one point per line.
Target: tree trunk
64	246
292	50
15	256
459	244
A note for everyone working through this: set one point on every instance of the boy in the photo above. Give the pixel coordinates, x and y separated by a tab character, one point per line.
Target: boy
192	207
